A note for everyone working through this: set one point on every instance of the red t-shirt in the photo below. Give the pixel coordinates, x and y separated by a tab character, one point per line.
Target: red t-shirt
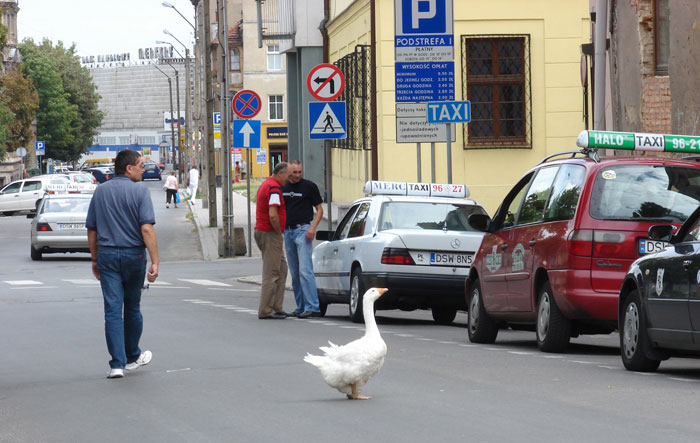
269	194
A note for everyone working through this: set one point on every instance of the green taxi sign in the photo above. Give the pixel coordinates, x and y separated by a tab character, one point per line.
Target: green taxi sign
635	141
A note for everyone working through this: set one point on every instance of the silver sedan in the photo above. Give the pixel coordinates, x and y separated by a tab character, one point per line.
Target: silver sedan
59	225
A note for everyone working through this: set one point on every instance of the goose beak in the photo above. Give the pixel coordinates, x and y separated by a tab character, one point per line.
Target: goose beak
381	290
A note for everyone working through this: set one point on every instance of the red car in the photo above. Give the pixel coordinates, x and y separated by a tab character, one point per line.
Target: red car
556	251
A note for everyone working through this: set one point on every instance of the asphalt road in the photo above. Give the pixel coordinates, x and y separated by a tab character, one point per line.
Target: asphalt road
220	374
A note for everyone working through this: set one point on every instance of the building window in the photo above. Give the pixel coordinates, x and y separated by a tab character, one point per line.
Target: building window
124	140
276	107
662	38
146	140
496	79
107	140
274	58
235	60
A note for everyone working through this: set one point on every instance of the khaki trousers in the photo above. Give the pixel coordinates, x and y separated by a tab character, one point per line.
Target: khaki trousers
274	274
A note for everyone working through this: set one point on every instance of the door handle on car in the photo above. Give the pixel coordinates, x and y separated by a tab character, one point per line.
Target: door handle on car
335	251
504	246
352	249
687	263
532	242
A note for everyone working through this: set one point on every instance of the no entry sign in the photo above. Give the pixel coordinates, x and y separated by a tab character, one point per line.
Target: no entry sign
325	82
246	104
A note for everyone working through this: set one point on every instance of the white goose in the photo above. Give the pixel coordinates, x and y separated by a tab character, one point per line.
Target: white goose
348	368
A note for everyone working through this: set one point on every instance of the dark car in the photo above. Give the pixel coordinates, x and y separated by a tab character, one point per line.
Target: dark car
659	307
101	173
557	250
151	170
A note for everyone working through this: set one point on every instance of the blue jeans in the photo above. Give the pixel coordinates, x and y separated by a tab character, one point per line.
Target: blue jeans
302	269
122	271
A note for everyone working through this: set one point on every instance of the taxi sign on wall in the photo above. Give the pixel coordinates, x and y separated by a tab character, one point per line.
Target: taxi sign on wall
416	189
634	141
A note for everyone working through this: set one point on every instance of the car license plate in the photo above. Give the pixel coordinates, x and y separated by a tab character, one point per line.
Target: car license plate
448	259
71	226
651	246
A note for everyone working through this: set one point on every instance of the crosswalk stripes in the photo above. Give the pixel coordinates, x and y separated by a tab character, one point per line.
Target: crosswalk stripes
22	282
209	284
204	282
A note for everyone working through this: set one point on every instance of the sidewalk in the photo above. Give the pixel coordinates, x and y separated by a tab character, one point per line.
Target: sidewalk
209	236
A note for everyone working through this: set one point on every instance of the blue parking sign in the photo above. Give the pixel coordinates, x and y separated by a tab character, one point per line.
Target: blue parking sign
423	16
40	148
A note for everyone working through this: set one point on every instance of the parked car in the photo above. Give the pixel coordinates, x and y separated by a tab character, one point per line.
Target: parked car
81	177
659	307
101	173
151	170
24	195
556	252
59	225
420	247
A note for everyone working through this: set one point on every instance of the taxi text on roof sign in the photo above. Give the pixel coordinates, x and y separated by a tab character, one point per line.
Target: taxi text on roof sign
634	141
416	189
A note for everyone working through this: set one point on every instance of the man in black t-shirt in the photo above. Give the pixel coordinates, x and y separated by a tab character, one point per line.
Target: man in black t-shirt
301	196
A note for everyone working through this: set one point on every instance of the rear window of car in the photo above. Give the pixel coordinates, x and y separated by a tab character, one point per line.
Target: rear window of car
645	193
66	205
427	216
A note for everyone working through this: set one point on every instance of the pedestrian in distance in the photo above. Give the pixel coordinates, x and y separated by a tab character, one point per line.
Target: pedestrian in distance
120	223
301	197
171	186
237	172
244	169
193	183
270	219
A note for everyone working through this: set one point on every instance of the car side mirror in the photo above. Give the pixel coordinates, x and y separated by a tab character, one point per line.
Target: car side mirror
480	222
31	215
661	232
324	235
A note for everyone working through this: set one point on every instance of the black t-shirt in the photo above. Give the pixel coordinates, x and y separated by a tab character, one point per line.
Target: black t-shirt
301	199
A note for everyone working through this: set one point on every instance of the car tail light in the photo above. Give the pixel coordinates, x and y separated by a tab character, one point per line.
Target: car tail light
107	176
43	227
581	243
396	256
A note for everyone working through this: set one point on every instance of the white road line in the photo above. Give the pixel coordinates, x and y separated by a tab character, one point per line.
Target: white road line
405	335
204	282
83	281
466	346
520	353
425	339
447	342
582	362
20	288
234	289
178	370
169	287
614	368
22	282
160	283
202	302
495	349
192	299
683	379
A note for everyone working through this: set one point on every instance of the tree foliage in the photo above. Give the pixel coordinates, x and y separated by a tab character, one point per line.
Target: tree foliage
18	97
68	115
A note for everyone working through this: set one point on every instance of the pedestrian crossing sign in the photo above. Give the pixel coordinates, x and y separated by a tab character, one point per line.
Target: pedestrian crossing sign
327	120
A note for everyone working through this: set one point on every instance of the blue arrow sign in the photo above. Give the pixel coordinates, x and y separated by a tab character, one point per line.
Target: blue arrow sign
449	112
246	133
327	120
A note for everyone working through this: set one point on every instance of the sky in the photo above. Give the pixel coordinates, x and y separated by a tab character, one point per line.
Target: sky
101	27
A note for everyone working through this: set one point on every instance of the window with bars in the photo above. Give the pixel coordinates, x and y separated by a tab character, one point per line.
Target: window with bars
276	107
274	58
662	39
496	79
358	99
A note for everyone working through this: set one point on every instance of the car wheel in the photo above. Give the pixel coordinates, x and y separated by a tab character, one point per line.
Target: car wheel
8	213
444	316
36	255
634	341
356	293
553	329
480	326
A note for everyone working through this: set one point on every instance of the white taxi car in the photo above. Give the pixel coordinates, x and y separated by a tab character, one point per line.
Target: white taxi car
59	224
24	195
413	238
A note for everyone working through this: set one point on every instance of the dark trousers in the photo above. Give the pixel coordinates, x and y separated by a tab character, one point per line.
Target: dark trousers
170	193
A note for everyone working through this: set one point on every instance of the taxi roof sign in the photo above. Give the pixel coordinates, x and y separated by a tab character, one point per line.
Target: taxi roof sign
636	141
375	187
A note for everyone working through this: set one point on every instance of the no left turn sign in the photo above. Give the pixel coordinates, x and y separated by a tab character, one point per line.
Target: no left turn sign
325	82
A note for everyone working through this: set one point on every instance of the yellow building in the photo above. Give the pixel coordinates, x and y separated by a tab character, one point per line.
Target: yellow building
516	61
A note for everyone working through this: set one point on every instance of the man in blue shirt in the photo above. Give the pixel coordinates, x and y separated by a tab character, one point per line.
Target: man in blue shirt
120	223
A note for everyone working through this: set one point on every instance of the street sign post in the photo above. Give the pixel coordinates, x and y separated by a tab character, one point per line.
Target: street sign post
449	113
246	103
217	130
260	156
40	148
327	120
246	133
325	82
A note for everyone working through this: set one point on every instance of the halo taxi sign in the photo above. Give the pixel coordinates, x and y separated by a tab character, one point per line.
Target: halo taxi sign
634	141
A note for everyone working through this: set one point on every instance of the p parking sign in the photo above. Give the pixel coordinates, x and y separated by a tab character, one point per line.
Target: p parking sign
40	148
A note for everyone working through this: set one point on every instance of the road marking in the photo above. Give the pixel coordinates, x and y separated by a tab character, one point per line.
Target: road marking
84	281
234	289
160	283
495	349
23	282
582	362
447	342
202	302
683	379
614	368
425	339
405	335
204	282
520	353
178	370
19	288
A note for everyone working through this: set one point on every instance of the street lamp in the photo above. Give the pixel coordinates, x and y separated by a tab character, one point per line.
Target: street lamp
172	131
162	42
168	5
188	111
179	118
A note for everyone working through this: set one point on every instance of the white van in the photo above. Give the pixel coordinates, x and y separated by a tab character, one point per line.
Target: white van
24	195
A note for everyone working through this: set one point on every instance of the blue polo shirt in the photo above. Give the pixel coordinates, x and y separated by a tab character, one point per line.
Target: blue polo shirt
117	210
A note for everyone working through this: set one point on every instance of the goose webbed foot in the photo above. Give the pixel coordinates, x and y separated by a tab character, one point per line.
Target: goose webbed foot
355	395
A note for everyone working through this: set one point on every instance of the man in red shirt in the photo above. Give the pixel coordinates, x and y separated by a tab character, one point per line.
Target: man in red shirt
270	220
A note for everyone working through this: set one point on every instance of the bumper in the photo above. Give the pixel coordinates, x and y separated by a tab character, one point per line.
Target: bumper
576	298
66	243
413	291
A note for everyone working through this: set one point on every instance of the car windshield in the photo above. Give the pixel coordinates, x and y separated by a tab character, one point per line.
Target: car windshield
66	205
426	215
645	192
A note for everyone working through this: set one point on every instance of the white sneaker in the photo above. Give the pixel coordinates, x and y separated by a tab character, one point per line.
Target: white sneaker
143	360
116	373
